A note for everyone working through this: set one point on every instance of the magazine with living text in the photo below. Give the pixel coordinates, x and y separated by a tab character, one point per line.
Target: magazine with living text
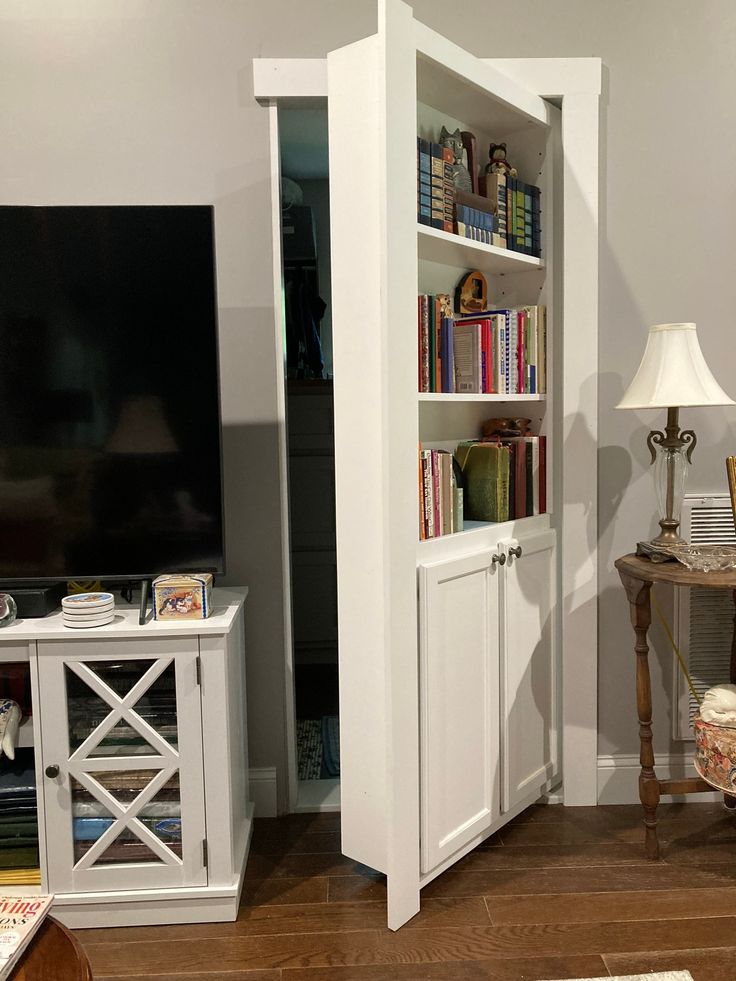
20	917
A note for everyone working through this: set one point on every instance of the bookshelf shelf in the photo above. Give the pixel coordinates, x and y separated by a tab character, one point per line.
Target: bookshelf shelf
475	397
435	245
478	532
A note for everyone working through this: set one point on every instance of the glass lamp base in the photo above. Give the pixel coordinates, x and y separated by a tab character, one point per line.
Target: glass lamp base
670	473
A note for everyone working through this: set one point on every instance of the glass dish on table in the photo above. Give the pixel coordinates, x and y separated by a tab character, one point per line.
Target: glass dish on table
705	558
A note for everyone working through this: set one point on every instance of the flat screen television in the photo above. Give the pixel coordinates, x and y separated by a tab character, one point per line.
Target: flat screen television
110	437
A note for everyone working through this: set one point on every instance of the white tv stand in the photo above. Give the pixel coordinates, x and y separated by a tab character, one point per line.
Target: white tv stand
141	764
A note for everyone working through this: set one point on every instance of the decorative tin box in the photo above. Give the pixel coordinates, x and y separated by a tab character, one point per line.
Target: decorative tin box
179	597
715	755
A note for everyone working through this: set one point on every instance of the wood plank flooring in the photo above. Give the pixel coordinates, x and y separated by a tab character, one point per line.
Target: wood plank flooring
560	893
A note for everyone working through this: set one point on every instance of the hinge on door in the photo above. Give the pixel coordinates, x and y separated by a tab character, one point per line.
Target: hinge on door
198	669
204	852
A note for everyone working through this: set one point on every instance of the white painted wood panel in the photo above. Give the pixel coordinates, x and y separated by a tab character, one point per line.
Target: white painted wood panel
372	90
528	668
459	703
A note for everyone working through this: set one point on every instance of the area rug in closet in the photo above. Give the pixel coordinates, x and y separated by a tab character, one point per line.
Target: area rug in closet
663	976
309	748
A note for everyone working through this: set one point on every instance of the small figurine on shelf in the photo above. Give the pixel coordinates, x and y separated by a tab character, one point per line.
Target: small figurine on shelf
497	162
460	174
471	293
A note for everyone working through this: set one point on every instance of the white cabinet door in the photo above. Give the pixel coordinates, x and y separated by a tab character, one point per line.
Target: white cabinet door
529	709
459	703
122	755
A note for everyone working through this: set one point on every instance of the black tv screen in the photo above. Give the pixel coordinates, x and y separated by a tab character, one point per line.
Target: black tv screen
110	460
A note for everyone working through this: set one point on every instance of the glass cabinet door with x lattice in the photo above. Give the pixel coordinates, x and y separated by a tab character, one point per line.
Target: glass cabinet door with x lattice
122	751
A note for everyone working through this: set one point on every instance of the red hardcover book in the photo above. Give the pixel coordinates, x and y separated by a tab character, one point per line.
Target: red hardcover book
529	477
521	354
422	528
488	344
486	351
520	484
542	474
437	528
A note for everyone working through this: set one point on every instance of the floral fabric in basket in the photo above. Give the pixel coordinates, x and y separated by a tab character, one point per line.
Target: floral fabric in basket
715	755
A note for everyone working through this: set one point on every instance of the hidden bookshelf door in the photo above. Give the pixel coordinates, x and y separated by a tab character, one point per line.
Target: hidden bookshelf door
122	763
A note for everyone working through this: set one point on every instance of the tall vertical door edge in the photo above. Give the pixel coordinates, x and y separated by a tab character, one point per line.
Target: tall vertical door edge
372	127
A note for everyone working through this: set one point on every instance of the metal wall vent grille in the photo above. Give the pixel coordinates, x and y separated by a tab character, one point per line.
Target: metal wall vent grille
704	618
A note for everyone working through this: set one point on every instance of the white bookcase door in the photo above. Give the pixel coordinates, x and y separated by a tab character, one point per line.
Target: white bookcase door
529	671
122	757
372	89
459	703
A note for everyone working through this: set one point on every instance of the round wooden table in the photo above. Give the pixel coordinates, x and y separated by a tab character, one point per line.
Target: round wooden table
637	576
53	954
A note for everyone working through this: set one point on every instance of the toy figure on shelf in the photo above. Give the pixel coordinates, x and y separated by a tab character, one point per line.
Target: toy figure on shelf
460	174
497	162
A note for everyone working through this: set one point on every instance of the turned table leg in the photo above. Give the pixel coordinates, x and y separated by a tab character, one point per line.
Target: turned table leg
638	594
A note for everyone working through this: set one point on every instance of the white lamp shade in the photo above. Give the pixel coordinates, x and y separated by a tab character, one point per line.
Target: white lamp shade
673	372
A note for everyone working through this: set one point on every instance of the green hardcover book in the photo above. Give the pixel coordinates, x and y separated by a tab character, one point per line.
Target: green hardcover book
485	469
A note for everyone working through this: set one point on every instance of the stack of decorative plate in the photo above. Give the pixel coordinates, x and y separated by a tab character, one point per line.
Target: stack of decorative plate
88	609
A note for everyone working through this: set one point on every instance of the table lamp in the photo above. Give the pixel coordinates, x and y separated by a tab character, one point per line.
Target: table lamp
672	374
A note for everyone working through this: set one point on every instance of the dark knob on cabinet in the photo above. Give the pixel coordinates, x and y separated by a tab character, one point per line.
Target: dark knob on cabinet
501	559
516	551
52	770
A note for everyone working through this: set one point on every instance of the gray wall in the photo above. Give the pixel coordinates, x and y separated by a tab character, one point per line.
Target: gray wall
150	101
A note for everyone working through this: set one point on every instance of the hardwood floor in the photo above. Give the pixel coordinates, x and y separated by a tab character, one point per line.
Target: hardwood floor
560	893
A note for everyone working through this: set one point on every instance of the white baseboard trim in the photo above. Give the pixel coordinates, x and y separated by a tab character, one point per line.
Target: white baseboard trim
264	791
618	778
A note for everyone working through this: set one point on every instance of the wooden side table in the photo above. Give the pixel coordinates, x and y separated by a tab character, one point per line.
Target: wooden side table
53	954
637	576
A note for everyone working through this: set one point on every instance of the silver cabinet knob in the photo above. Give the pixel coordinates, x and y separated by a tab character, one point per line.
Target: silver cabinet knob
501	559
52	770
516	551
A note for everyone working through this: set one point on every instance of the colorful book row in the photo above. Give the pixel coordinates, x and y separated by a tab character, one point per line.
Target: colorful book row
440	497
500	352
517	207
